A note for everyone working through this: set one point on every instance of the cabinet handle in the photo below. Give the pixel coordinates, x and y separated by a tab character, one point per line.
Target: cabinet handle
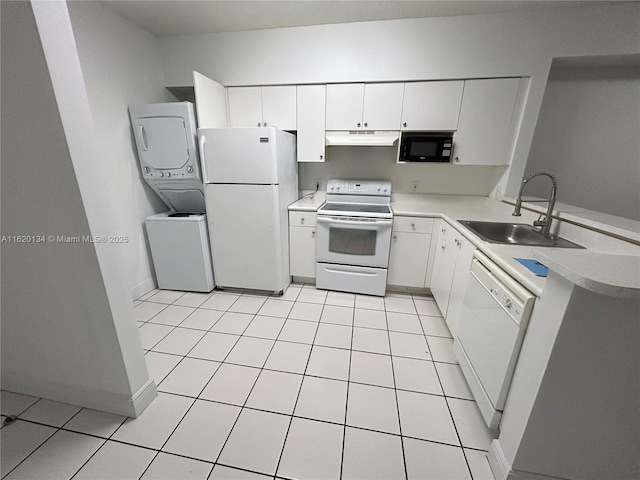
395	237
404	124
457	159
321	157
443	230
442	248
302	221
259	124
366	124
313	234
413	226
358	124
264	124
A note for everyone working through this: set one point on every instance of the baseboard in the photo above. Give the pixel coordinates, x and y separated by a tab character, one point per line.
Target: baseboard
305	280
104	401
503	471
143	288
143	397
497	461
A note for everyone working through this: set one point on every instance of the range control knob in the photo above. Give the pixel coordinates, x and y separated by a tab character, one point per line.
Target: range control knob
378	188
384	190
331	188
161	174
168	174
190	169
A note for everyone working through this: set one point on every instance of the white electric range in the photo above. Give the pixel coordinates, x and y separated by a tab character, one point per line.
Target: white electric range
354	237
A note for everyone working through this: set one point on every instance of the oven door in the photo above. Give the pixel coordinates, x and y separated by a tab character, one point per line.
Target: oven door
353	240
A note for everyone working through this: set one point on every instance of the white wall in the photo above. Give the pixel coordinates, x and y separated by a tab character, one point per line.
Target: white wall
520	44
121	67
68	331
588	136
380	163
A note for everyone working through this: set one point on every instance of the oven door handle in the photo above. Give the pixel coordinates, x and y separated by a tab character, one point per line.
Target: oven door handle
383	222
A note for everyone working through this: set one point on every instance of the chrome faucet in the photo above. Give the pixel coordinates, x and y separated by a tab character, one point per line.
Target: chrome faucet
545	225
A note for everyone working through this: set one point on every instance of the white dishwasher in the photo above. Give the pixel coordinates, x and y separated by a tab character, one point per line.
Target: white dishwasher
494	318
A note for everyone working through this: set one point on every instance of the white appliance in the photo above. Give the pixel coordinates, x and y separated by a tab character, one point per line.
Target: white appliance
180	250
354	237
493	322
251	177
165	135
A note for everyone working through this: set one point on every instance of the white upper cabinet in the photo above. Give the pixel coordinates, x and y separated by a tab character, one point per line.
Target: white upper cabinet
279	107
486	122
245	106
263	107
431	105
359	106
382	106
344	106
311	121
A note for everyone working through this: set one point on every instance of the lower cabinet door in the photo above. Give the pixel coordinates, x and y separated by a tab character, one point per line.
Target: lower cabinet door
444	265
408	259
302	251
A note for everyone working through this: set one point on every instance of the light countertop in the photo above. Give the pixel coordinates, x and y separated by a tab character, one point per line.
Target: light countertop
603	272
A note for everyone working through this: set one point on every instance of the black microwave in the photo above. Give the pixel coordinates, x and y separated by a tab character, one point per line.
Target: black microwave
426	147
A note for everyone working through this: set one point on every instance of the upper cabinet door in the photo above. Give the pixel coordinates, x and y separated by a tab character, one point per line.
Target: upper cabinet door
344	106
431	105
382	106
279	107
311	121
245	106
211	102
485	126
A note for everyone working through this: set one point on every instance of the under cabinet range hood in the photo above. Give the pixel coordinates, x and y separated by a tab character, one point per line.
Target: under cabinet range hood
362	138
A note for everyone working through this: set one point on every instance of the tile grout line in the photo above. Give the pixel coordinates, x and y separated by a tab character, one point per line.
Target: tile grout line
212	375
464	455
395	392
346	407
252	387
284	443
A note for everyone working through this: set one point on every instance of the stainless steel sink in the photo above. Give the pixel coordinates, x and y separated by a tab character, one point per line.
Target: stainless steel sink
515	234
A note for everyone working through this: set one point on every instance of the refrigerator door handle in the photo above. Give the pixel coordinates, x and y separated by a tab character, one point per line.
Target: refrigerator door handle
201	143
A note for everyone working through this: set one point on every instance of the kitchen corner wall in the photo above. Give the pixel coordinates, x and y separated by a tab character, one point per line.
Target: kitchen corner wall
68	331
471	46
379	163
121	65
588	137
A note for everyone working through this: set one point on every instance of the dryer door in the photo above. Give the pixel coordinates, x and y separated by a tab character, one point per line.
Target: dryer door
162	142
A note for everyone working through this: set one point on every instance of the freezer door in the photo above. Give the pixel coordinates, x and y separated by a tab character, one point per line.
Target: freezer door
239	155
245	230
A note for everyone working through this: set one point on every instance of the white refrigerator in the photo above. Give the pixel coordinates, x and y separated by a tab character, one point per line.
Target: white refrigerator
251	177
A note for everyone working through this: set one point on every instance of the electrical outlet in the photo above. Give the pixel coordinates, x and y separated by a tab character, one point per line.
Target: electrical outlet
414	186
317	180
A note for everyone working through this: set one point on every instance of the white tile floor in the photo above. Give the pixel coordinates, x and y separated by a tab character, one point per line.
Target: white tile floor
310	385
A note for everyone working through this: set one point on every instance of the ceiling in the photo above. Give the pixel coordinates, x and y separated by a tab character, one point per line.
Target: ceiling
183	17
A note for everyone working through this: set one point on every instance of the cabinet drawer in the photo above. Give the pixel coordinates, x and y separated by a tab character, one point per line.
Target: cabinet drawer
412	224
302	219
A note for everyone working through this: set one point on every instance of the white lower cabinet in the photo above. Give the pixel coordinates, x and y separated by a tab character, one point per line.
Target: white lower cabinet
451	272
302	244
410	251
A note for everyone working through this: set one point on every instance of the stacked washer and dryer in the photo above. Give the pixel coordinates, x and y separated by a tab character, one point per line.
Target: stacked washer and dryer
166	140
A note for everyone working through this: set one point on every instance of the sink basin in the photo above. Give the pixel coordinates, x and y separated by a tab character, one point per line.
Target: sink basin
515	234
